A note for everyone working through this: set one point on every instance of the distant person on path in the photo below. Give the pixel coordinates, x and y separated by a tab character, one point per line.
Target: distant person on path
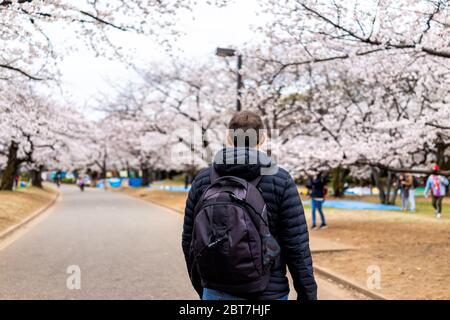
437	184
244	224
414	183
58	179
81	183
187	180
317	191
16	182
405	184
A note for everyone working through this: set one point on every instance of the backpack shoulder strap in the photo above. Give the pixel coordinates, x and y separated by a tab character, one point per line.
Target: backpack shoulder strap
256	181
213	174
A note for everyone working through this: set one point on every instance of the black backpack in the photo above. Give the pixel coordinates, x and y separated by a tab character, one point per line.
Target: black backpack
232	247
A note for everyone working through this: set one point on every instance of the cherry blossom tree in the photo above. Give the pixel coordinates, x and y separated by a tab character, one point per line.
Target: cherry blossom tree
30	28
177	111
363	81
37	133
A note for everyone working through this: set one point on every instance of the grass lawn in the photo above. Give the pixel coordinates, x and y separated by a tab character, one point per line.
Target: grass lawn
411	250
16	206
423	206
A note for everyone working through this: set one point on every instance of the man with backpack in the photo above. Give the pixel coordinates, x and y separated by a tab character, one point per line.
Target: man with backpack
244	223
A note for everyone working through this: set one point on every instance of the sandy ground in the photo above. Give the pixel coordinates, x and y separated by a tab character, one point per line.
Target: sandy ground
16	206
173	200
412	251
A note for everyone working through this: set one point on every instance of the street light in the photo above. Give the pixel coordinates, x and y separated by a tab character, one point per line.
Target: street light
225	52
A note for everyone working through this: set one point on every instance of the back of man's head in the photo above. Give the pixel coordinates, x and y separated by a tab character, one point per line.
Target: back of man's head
246	129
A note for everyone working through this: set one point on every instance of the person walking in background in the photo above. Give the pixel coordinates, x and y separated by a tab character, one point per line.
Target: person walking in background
58	179
16	182
414	183
81	182
187	180
405	184
437	184
317	192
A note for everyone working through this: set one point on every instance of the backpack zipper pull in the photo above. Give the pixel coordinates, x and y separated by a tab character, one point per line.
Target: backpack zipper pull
235	198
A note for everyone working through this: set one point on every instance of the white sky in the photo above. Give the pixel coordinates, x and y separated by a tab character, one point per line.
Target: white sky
84	76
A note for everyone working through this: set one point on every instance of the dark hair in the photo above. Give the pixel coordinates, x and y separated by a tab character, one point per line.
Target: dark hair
243	125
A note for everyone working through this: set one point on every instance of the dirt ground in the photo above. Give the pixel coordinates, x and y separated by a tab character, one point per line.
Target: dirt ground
173	200
16	206
411	250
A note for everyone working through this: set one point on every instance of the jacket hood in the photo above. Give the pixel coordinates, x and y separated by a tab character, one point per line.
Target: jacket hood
241	162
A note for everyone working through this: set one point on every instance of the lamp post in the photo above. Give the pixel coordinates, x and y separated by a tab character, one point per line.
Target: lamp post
225	52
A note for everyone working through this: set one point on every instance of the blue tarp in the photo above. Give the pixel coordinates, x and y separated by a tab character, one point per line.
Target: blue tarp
356	205
170	188
135	182
339	204
62	175
115	182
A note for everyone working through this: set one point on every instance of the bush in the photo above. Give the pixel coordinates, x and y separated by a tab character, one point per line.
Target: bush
68	180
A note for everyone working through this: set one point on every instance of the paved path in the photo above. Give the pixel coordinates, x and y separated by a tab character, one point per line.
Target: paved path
125	248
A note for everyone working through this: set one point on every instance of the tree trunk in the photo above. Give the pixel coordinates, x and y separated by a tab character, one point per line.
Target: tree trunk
377	179
441	159
94	178
388	187
103	169
394	196
36	177
391	190
12	166
128	170
145	176
338	182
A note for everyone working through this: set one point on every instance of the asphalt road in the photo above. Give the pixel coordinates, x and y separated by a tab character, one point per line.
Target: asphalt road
121	248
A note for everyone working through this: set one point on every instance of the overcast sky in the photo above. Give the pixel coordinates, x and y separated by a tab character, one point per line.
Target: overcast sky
84	75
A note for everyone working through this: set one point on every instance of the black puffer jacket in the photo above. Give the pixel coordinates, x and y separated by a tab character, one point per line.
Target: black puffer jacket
287	221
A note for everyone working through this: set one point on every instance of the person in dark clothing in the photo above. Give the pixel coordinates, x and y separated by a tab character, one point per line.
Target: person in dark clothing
317	192
287	222
58	179
187	180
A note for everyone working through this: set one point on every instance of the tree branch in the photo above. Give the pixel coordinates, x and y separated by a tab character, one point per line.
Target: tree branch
24	73
90	15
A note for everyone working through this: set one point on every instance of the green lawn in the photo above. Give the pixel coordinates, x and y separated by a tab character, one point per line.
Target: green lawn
423	206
